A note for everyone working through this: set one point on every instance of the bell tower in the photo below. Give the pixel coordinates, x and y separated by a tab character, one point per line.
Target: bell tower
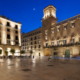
49	11
48	20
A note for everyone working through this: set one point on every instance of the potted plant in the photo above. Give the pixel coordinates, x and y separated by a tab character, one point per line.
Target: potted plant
6	53
22	52
12	51
31	52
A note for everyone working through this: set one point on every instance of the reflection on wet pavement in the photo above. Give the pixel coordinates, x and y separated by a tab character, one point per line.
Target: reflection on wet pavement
39	69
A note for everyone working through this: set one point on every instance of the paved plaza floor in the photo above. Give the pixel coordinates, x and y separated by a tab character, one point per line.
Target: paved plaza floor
39	69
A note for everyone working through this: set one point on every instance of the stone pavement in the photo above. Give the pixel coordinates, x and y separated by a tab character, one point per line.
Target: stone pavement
39	69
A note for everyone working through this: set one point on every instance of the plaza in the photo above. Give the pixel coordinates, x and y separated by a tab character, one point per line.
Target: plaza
39	69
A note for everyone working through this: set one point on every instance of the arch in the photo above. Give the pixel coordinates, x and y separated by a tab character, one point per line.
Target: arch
47	52
67	53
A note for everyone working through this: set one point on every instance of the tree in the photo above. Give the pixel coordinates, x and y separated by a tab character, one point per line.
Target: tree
6	53
22	52
12	51
0	51
31	52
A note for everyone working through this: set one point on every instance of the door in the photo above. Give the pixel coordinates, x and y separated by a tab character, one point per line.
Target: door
67	53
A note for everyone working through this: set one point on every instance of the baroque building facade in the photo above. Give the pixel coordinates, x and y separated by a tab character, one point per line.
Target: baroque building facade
10	36
62	38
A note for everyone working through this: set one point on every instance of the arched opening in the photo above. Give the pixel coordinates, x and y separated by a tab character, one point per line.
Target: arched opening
67	53
47	52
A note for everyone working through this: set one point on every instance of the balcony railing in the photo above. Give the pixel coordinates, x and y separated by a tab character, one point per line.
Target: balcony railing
66	45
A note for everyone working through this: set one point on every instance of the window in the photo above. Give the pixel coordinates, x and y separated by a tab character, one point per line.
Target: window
8	36
16	37
39	46
16	26
65	27
72	25
39	42
46	38
35	42
46	32
35	46
58	29
52	30
72	41
39	31
58	43
16	43
31	39
52	43
46	44
8	41
8	30
16	32
31	43
64	42
35	38
8	24
31	47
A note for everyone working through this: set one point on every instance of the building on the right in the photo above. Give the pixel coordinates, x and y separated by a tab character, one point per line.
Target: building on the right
61	38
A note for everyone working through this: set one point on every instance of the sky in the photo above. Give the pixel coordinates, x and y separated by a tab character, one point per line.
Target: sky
30	12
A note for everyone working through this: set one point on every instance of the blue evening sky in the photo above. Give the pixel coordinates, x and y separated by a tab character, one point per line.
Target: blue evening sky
30	12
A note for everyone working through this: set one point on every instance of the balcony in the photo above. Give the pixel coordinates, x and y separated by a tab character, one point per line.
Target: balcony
66	45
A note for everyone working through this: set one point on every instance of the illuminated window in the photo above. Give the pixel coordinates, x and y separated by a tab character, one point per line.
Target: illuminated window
46	38
46	32
39	42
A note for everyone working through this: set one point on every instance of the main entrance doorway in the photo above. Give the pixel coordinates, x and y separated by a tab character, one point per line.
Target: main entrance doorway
67	53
